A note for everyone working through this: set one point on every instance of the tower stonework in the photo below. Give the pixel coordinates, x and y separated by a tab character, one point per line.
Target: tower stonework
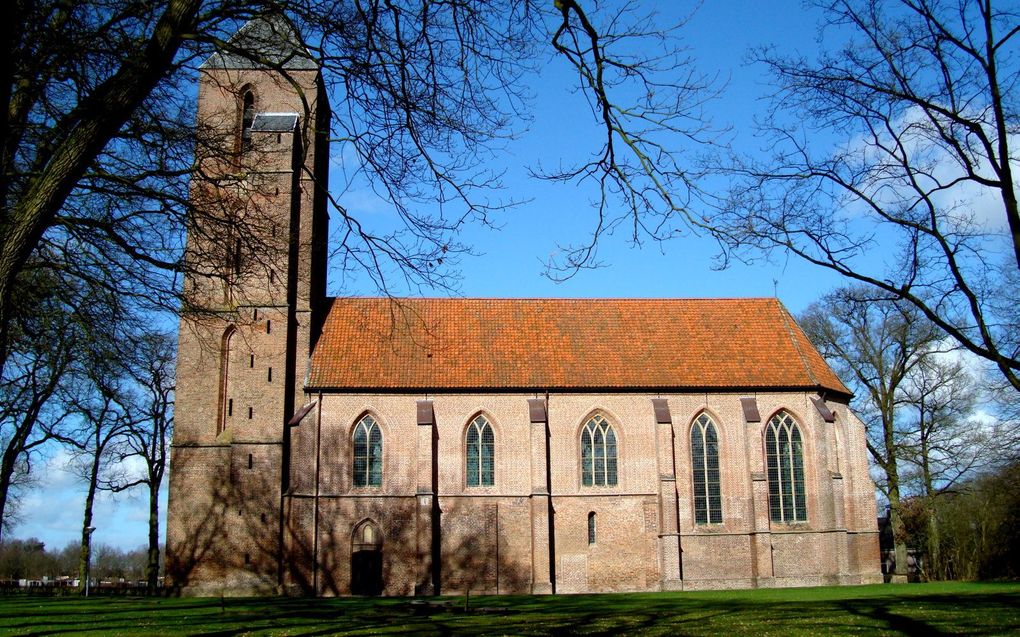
254	285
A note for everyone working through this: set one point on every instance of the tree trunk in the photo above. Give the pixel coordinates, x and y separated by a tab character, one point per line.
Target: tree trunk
152	567
892	474
6	473
86	526
898	530
936	569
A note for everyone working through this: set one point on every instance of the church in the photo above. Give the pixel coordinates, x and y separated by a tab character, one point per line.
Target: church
423	446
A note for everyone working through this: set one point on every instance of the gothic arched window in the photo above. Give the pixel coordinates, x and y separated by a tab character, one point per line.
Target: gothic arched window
247	118
705	466
368	449
598	453
784	456
226	404
480	453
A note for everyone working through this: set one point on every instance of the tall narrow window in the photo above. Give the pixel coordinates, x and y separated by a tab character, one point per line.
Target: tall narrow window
247	118
235	258
784	455
368	448
591	528
705	466
598	453
480	453
226	403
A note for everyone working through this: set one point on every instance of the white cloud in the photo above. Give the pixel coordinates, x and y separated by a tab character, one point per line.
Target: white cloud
364	201
52	509
967	199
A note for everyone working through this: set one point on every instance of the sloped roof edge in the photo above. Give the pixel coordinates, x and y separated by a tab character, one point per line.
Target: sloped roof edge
582	344
270	41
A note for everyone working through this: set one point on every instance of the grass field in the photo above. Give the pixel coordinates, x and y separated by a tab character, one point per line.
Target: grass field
912	609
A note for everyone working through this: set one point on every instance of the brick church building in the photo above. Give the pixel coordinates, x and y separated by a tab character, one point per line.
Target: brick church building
337	446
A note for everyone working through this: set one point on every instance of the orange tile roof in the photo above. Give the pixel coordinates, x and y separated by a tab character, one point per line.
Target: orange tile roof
584	344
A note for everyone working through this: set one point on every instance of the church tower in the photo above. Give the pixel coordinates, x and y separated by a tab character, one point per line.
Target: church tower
253	291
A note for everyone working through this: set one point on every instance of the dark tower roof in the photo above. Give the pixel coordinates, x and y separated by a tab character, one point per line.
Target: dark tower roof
272	41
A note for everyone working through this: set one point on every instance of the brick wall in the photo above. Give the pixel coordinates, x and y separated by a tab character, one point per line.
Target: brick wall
225	526
491	538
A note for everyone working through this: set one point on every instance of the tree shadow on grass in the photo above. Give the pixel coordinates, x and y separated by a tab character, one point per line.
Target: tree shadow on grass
975	614
936	615
846	611
897	622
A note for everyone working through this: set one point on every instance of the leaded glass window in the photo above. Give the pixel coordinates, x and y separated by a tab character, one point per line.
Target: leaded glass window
591	528
598	453
368	448
705	465
784	456
480	453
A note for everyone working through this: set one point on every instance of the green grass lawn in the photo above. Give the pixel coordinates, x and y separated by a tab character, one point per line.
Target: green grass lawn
912	609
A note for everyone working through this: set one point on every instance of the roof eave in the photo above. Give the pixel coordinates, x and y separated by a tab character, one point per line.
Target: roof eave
829	392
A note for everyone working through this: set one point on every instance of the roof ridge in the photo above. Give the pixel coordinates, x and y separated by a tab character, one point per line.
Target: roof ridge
787	319
554	298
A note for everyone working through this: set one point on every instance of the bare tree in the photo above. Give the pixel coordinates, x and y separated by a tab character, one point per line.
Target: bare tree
26	419
644	184
44	345
99	141
64	100
942	440
945	443
150	369
875	345
893	163
99	398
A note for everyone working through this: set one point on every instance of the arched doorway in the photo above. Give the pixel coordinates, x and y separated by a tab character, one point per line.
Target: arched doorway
366	559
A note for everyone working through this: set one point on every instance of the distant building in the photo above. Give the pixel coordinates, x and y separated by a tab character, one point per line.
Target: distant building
340	446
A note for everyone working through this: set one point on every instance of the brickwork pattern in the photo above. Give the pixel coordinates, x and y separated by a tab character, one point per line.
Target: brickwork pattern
226	531
487	535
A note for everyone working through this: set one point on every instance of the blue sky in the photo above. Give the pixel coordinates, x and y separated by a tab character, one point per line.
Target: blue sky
510	259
